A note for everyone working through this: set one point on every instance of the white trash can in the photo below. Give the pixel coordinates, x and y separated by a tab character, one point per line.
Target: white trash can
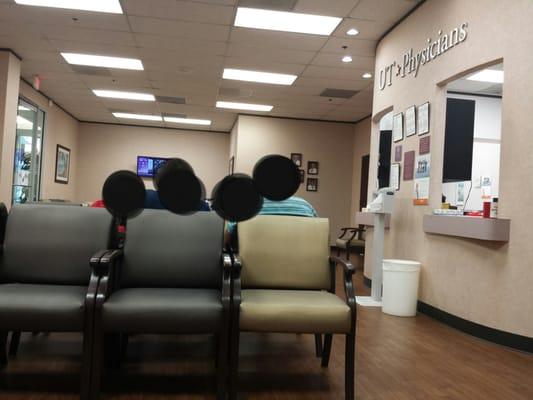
400	287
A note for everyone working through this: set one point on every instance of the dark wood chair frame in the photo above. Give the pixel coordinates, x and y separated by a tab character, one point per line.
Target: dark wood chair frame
354	232
108	268
348	271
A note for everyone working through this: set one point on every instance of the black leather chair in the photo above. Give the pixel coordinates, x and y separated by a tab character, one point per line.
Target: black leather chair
46	283
170	278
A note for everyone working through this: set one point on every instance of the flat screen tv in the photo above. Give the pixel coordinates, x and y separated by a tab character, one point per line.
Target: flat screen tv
147	166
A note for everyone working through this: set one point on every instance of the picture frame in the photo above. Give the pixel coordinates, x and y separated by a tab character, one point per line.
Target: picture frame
312	167
62	171
302	176
394	178
423	118
231	165
397	127
410	121
297	159
312	185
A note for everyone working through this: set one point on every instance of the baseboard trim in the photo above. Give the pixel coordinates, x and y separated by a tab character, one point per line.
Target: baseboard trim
512	340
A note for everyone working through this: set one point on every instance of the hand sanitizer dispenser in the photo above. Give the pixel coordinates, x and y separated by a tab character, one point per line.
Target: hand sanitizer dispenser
383	201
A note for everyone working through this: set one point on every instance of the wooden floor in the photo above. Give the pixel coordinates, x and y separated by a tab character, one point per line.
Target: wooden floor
397	359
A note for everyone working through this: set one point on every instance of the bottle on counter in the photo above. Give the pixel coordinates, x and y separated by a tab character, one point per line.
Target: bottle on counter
494	208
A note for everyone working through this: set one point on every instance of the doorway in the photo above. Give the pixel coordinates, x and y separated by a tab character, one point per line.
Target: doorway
28	153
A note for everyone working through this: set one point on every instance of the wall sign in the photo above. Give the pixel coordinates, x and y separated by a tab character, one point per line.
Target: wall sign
411	61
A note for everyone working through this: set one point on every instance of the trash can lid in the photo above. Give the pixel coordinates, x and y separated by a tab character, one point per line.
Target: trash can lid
401	265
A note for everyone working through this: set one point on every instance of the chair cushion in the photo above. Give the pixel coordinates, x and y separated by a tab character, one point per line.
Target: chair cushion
162	310
293	311
354	243
49	308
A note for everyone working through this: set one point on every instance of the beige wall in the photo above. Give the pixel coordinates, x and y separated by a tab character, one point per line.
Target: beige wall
107	148
9	88
59	128
361	147
331	144
483	282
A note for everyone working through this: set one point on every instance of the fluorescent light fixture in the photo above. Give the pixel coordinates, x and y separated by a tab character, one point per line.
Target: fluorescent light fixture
244	106
352	32
487	75
115	94
285	21
103	61
347	59
107	6
189	121
145	117
258	76
367	75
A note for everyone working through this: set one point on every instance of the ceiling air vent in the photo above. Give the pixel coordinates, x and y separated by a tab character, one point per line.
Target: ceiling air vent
171	100
279	5
84	70
339	93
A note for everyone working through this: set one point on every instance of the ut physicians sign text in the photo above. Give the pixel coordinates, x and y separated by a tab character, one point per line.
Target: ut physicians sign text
412	62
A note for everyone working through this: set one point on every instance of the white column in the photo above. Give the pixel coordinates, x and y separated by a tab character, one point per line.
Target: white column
9	93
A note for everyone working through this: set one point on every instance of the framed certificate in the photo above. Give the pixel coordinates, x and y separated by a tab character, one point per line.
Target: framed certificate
397	127
423	118
410	121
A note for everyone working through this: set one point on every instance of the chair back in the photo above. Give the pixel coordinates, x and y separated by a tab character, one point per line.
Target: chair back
173	251
52	244
284	252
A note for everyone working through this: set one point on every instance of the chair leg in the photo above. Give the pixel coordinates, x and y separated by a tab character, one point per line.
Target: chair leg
318	344
350	367
221	364
97	363
14	344
234	364
86	368
326	349
3	349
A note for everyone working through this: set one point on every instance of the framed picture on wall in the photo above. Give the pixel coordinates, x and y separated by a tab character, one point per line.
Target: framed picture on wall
312	184
312	168
410	121
62	164
397	127
297	159
302	175
423	119
394	179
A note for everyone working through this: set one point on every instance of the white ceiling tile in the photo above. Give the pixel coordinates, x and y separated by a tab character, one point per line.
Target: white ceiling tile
371	30
315	71
262	54
278	40
331	83
355	47
88	35
383	10
334	60
180	44
179	28
334	8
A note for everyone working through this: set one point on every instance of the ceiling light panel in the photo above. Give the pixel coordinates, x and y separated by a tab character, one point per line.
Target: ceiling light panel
487	75
103	61
106	6
285	21
258	76
244	106
115	94
188	121
144	117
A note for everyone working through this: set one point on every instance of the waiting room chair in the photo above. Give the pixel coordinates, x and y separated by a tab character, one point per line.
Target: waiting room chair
46	283
171	277
284	281
351	239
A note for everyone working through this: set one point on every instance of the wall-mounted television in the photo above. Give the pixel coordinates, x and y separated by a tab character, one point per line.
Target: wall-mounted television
147	166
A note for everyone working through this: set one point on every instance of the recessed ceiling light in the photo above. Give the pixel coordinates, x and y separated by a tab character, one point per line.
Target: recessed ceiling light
107	6
258	76
367	75
115	94
244	106
189	121
352	32
285	21
146	117
487	75
103	61
347	59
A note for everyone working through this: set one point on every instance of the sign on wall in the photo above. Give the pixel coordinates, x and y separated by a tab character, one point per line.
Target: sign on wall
412	62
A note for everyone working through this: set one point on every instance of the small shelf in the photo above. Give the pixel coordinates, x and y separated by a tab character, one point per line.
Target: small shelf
468	227
367	218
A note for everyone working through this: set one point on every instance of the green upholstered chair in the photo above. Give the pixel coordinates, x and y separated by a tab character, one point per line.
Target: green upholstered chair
351	239
284	281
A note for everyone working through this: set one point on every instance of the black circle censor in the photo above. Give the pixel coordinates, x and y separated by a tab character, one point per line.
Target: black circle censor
236	199
276	177
123	194
180	191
